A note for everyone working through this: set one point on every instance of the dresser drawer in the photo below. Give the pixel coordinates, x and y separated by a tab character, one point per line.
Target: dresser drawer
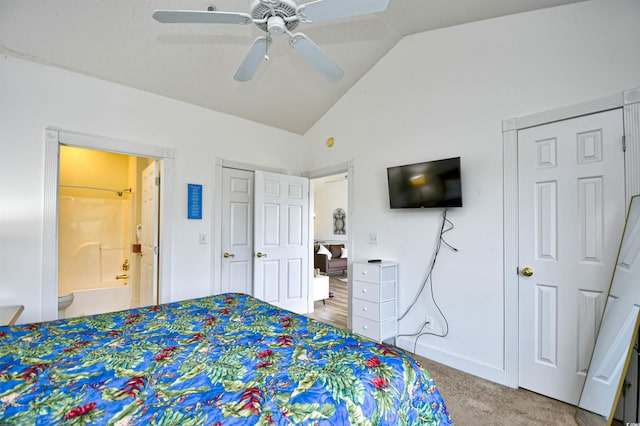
366	291
366	309
378	331
367	328
374	311
365	272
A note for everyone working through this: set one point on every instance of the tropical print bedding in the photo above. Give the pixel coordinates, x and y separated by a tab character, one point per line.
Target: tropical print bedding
221	360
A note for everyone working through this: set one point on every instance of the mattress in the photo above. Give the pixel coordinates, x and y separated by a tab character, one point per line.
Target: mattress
227	359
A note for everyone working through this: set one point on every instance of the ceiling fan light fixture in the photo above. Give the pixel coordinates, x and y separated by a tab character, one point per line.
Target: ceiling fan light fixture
276	26
262	11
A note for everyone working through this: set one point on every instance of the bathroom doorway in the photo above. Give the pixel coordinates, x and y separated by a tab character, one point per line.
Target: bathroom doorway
107	220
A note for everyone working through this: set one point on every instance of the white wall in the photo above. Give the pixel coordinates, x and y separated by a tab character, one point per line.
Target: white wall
445	93
35	96
329	194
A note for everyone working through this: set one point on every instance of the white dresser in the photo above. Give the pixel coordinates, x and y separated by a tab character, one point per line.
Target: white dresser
373	305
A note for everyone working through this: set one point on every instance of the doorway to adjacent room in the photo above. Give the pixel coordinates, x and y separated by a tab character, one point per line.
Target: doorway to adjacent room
107	231
122	249
331	229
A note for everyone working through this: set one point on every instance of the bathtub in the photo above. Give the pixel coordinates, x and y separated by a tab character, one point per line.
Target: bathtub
108	296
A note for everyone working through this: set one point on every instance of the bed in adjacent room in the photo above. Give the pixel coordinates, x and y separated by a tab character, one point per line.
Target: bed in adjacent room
227	359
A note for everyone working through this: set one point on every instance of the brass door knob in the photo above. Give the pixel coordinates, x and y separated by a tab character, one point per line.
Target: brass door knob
527	272
260	254
228	254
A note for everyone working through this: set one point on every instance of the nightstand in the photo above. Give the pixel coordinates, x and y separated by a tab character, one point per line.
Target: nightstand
9	314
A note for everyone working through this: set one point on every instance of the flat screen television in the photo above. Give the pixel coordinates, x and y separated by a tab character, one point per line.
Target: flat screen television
423	185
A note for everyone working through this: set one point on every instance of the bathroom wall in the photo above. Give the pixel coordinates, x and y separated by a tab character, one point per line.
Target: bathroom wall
86	167
94	226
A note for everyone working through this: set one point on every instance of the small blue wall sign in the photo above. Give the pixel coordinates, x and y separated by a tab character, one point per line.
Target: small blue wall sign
194	201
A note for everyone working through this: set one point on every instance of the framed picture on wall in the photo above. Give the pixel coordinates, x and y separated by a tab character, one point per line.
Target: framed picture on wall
339	222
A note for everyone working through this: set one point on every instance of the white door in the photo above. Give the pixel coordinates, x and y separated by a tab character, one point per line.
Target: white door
237	231
619	326
572	210
149	239
281	267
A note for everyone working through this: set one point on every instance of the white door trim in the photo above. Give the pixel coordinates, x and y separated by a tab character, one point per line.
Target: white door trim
630	102
55	137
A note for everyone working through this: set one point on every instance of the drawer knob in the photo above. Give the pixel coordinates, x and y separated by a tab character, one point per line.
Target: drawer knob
364	327
364	290
364	272
364	309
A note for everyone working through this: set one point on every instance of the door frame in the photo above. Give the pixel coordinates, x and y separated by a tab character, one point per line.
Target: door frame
629	102
348	168
216	251
54	138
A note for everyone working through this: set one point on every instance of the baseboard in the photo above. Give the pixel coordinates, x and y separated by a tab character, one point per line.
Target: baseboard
475	368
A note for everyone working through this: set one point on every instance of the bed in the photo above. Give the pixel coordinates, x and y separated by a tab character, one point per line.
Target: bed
220	360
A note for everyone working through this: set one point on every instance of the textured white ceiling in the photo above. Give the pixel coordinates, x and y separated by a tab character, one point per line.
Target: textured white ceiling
118	41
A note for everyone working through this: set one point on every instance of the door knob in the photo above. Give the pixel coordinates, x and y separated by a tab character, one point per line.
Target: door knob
228	254
260	254
527	272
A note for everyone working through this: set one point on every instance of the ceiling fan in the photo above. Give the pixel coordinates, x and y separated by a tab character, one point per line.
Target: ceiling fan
277	17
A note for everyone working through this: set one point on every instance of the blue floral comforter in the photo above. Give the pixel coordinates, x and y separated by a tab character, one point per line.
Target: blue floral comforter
221	360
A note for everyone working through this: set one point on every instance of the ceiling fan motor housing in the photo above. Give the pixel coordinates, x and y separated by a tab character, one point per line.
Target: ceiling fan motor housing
262	10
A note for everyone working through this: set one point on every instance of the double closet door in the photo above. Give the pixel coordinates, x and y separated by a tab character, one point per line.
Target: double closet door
265	237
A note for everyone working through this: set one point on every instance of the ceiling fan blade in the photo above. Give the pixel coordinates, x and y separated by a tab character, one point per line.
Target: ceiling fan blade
251	62
200	17
325	10
316	57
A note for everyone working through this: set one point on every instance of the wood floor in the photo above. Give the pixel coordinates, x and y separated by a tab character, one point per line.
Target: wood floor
471	400
334	310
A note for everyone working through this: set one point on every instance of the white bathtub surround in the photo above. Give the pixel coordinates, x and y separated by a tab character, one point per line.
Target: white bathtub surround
113	296
93	246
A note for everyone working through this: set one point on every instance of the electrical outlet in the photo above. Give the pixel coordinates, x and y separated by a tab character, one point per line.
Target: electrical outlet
373	238
429	321
202	238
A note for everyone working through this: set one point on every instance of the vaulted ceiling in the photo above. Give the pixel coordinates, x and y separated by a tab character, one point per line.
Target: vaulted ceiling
119	41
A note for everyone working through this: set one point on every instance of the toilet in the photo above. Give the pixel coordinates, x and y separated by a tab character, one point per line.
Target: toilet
64	301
